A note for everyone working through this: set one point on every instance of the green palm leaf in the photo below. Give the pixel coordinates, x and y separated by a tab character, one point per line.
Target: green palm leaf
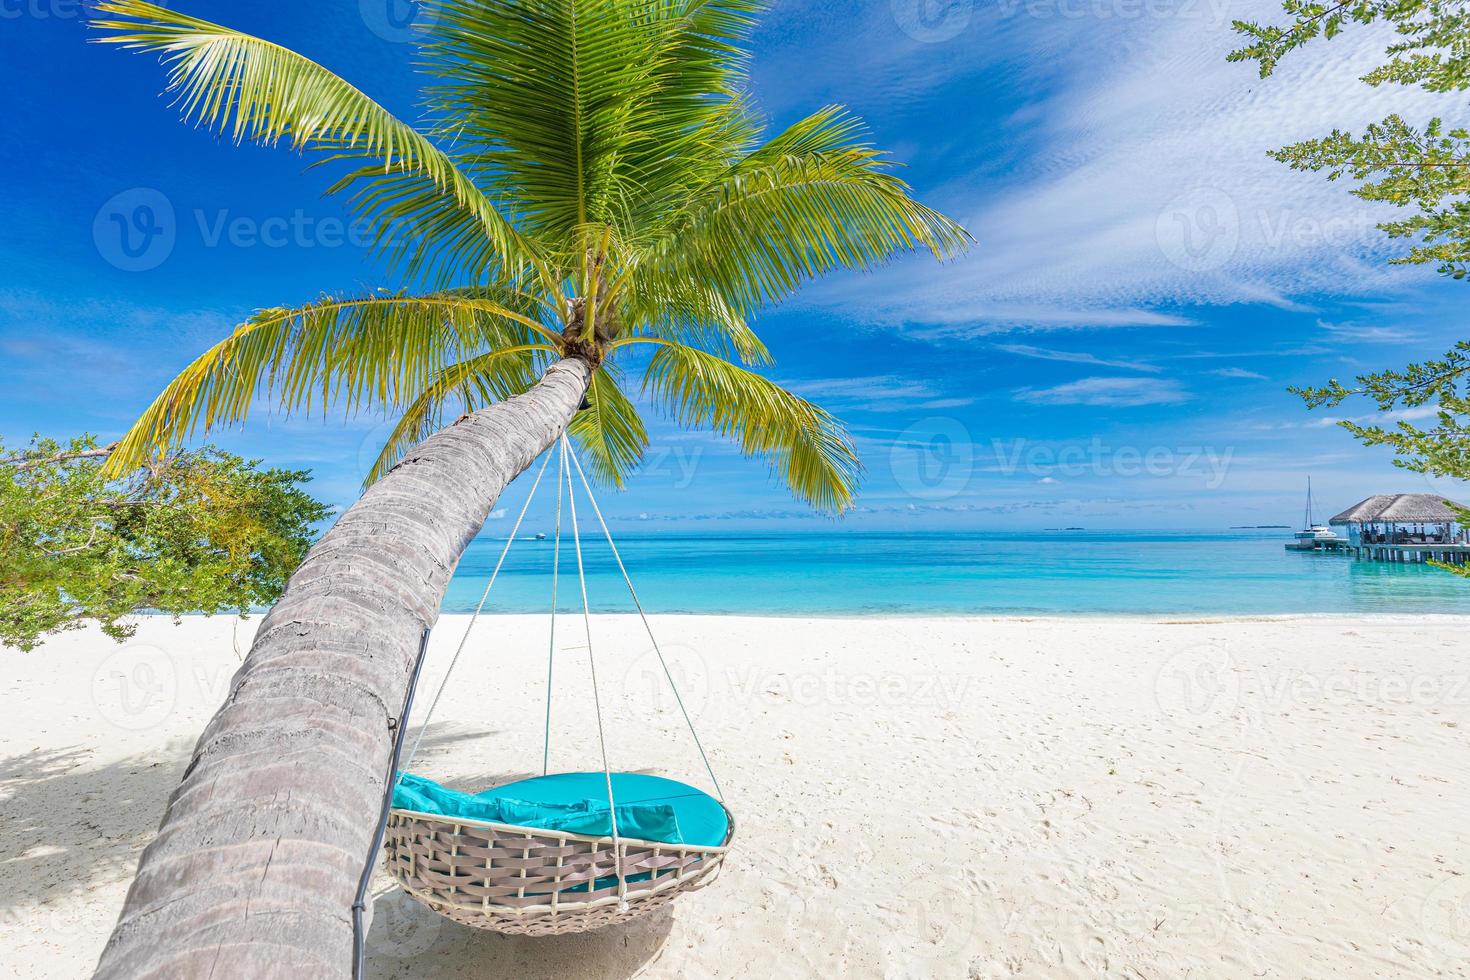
251	89
576	108
811	201
375	352
608	431
807	446
610	186
695	315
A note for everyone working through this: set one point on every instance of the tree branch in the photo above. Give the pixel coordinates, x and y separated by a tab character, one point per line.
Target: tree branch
26	462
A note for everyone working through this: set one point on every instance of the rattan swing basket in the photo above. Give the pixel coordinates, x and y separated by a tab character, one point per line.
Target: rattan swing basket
523	881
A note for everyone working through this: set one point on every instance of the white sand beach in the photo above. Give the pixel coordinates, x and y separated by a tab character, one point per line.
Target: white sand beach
915	797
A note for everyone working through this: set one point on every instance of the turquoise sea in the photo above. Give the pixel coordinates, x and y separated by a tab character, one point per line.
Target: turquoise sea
1034	572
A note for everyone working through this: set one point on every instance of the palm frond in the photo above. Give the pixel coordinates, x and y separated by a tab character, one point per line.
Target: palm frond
692	314
607	172
808	447
250	89
609	431
525	88
378	351
575	108
466	386
813	200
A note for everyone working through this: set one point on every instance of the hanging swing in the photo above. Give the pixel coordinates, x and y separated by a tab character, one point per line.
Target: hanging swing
562	852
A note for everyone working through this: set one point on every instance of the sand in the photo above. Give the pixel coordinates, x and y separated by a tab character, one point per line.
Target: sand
915	797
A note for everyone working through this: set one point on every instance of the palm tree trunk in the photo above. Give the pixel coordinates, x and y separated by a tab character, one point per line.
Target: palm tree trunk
254	869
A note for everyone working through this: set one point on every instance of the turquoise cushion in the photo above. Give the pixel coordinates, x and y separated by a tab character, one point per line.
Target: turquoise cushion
649	807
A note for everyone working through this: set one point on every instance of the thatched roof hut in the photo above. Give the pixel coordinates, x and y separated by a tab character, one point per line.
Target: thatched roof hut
1400	508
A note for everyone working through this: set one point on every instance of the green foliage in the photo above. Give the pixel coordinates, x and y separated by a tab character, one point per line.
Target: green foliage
1425	168
592	174
609	429
1434	51
1442	449
249	89
800	438
199	531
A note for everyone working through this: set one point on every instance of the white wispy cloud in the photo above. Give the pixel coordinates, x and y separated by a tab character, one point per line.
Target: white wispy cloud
103	347
1387	419
877	393
1148	186
1075	357
1367	333
1113	392
1235	372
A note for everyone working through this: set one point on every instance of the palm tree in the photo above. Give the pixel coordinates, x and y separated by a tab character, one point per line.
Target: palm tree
592	193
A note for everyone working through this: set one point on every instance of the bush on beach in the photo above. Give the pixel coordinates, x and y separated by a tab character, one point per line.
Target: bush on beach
193	531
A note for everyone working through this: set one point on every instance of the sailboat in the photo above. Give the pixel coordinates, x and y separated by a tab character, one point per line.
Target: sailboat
1312	536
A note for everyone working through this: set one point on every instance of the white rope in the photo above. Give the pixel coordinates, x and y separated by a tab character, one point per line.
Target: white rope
649	628
561	467
564	452
612	809
478	609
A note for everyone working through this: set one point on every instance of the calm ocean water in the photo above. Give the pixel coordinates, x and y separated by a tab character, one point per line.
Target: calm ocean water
1055	573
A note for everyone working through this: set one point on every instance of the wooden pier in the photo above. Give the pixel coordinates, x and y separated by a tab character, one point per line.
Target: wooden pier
1403	551
1408	528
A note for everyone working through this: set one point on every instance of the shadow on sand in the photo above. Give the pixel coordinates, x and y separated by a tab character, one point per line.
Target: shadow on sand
67	827
408	940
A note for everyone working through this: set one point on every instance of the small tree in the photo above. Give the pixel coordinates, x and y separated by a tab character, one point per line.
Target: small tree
194	531
1422	169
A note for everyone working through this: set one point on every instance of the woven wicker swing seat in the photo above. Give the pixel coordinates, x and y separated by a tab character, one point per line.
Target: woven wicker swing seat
530	880
533	882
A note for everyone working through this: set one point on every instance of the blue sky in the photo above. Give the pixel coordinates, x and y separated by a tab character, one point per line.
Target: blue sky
1114	352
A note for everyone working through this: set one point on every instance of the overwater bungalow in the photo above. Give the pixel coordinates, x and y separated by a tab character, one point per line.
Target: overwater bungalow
1411	527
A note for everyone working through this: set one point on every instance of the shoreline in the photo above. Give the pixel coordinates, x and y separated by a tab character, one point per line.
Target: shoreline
1157	618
